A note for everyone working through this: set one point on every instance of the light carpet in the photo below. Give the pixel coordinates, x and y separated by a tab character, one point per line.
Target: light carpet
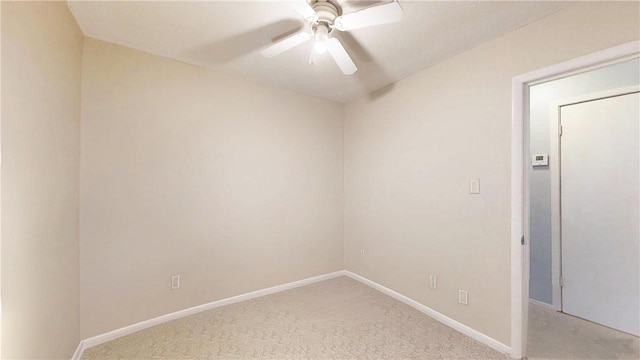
334	319
554	335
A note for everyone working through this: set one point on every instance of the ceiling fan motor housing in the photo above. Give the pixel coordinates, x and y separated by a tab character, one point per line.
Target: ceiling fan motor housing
328	11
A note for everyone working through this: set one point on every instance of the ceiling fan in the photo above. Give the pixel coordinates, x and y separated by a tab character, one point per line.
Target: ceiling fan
324	16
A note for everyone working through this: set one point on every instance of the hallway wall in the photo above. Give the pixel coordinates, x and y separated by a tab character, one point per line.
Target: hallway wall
41	60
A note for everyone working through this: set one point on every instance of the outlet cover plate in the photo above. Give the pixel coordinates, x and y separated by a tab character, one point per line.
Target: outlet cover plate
463	297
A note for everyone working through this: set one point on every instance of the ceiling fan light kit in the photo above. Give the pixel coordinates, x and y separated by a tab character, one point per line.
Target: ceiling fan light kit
321	38
324	16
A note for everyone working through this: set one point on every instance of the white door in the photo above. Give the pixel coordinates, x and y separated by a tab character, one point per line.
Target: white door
599	207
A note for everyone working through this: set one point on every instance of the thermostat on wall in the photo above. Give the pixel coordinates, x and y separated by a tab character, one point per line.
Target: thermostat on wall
540	160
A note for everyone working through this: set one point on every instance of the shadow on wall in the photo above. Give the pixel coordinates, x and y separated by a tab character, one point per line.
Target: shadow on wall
381	92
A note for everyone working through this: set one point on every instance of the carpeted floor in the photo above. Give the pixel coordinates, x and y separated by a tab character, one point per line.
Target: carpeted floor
554	335
335	319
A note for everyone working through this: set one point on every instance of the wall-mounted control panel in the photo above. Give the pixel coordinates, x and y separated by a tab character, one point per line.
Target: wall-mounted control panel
540	160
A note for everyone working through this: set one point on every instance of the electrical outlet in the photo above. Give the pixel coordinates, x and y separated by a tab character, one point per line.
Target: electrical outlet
361	251
432	282
463	297
175	282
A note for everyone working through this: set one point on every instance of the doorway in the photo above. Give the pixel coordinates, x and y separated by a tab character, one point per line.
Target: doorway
593	162
522	175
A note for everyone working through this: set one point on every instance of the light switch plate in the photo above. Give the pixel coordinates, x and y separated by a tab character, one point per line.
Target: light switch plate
474	186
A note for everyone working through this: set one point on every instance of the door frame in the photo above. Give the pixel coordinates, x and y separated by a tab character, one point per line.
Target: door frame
554	168
520	174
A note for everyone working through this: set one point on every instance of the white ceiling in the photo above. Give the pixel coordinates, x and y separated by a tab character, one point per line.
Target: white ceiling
228	36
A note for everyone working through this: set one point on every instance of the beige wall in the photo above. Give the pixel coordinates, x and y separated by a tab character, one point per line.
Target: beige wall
411	150
233	185
238	186
40	159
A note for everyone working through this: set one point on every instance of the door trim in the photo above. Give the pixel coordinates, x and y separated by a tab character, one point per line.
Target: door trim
554	168
520	174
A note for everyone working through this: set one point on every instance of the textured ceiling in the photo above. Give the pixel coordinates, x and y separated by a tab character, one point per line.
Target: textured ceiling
228	36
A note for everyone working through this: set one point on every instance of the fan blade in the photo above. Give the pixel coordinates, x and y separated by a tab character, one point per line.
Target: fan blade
374	15
286	44
304	9
341	57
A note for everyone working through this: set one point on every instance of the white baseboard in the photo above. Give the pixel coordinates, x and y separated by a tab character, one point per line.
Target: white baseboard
542	304
474	334
78	353
103	338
